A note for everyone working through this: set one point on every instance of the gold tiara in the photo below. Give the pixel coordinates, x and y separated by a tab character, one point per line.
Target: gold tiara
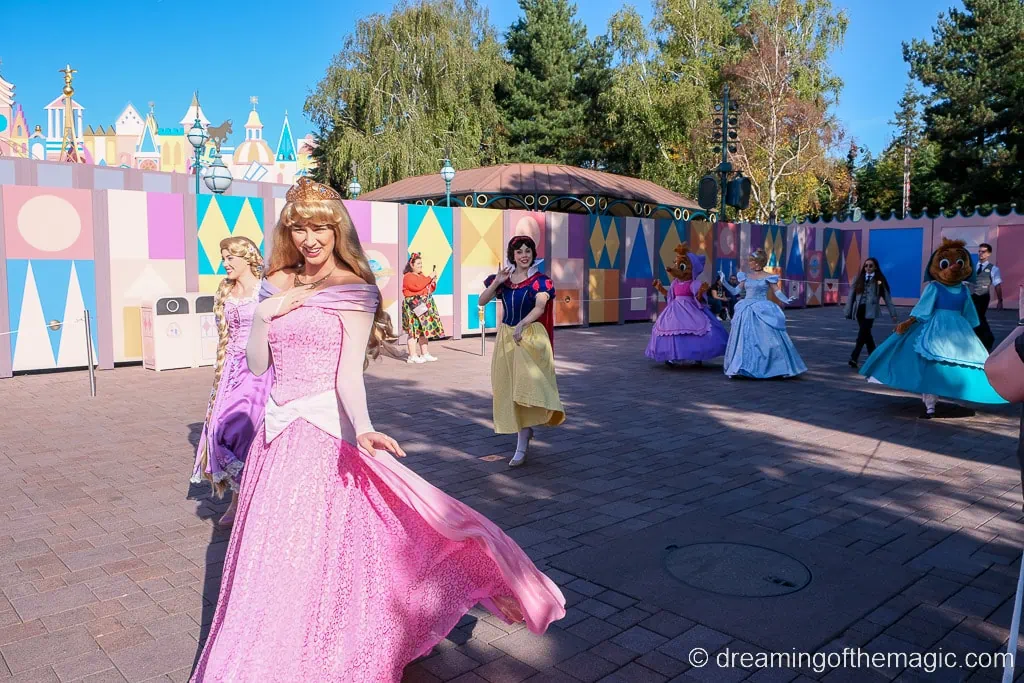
306	190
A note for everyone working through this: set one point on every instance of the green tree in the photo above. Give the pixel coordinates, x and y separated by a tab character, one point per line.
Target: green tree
787	89
549	103
974	70
404	89
660	100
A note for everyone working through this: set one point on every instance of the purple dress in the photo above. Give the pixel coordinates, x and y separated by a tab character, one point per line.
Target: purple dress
686	329
238	408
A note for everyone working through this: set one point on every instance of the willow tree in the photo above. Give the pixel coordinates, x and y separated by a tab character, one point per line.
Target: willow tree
406	89
786	91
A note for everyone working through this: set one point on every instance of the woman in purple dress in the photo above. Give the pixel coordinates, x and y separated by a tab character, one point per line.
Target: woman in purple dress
238	398
686	330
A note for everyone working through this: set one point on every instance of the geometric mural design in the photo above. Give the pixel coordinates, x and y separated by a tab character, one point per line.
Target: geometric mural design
532	224
481	255
47	223
639	271
799	237
568	277
43	290
605	239
147	259
221	217
670	234
814	278
833	252
702	243
431	235
851	260
603	288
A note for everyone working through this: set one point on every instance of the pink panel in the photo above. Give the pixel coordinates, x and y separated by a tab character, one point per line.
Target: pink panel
1009	249
360	213
47	223
529	223
165	215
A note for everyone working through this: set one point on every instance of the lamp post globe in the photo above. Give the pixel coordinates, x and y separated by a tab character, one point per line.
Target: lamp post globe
448	175
354	188
197	137
218	177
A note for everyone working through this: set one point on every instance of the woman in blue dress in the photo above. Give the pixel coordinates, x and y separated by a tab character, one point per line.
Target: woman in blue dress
523	385
759	346
935	352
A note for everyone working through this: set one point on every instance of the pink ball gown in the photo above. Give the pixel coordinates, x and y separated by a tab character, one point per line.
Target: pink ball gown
344	566
238	407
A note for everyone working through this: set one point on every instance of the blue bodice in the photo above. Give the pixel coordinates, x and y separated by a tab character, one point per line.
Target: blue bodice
950	301
757	289
517	300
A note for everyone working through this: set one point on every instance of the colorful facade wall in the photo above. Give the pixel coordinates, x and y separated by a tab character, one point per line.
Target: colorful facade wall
106	240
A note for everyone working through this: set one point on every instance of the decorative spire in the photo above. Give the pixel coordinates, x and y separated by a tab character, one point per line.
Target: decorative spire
286	145
254	100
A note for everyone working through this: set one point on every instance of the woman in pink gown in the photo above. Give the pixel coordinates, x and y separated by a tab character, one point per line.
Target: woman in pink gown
344	565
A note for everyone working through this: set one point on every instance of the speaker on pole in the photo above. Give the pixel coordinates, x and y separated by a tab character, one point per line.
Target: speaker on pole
707	192
737	192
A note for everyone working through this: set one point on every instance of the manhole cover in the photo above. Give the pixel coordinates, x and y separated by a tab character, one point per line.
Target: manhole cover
737	569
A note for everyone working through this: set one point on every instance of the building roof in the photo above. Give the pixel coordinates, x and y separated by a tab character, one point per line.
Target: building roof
553	180
194	110
59	104
286	145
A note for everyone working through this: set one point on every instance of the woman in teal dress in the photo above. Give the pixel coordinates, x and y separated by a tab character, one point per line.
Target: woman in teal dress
935	352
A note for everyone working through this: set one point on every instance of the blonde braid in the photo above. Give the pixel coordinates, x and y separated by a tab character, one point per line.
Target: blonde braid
251	254
223	290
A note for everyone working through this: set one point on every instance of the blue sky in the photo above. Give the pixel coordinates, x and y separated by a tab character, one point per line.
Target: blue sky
160	51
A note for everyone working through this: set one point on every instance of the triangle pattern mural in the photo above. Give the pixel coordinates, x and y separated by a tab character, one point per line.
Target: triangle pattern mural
52	279
639	265
33	350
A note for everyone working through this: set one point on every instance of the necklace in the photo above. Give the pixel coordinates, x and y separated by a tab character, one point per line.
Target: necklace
312	285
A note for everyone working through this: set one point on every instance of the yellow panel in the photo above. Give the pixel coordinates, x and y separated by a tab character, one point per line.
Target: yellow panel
613	242
432	245
132	316
247	225
212	231
208	284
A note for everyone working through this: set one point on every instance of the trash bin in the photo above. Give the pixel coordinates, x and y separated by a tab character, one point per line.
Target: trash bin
206	324
169	333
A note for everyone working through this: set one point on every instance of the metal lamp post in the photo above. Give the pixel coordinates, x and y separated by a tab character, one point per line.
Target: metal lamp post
354	188
197	137
218	177
448	174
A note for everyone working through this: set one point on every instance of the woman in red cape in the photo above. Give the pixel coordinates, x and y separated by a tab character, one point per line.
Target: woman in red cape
523	384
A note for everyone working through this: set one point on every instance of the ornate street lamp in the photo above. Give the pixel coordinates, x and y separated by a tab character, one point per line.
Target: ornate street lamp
448	174
218	177
354	188
197	137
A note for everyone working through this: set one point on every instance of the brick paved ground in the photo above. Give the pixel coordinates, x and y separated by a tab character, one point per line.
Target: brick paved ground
109	561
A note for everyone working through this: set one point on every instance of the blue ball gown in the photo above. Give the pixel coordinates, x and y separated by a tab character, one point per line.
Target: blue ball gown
759	345
939	354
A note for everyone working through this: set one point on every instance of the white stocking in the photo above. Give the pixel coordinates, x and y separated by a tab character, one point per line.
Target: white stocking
929	402
523	440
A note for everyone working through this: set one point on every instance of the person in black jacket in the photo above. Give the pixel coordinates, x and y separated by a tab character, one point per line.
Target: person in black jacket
869	287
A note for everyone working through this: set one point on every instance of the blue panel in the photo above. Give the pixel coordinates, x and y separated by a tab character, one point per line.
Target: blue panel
202	206
205	267
795	260
639	263
899	254
231	208
17	269
52	278
87	283
490	312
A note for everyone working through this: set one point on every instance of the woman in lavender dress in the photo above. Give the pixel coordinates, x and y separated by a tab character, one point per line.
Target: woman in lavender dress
238	398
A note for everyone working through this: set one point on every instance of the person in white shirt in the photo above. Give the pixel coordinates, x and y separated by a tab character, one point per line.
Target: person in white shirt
986	277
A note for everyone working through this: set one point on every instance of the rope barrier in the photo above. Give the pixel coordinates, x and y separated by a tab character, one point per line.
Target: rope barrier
50	326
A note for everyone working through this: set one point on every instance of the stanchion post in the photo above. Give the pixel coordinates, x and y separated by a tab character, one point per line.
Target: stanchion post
89	354
483	332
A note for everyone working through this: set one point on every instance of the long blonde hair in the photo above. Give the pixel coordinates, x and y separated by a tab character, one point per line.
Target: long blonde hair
245	248
347	250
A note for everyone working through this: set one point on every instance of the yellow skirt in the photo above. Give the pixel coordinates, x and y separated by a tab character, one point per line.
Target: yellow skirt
523	381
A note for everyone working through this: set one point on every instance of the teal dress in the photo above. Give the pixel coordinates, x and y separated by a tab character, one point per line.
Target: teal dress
939	354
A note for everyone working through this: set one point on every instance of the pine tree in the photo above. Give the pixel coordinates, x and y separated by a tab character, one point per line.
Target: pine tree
545	105
974	68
